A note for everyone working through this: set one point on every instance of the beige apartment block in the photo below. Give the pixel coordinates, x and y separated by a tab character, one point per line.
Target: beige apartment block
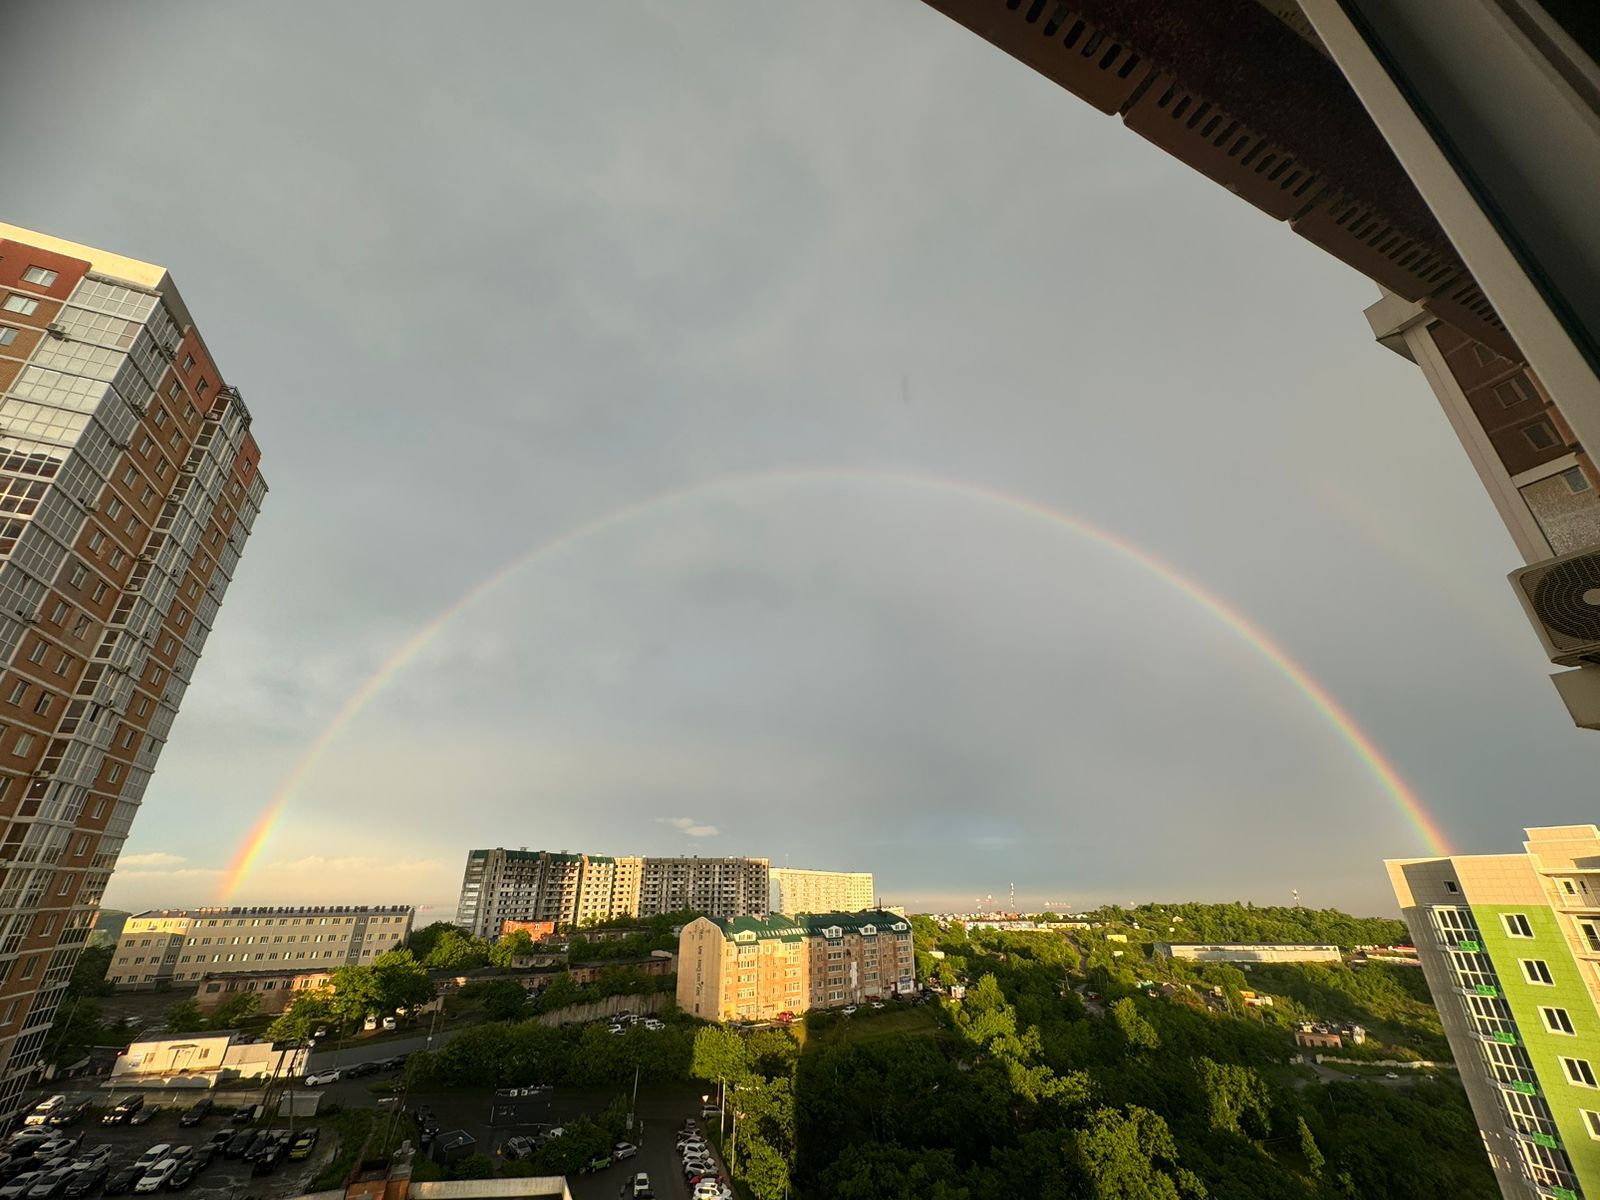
753	968
800	891
186	945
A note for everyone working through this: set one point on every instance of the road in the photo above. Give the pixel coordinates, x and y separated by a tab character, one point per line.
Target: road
368	1051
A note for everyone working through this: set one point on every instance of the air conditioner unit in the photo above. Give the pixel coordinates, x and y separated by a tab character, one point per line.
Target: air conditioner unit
56	329
1562	598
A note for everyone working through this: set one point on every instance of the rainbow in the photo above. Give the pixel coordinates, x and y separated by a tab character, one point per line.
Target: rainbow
1405	800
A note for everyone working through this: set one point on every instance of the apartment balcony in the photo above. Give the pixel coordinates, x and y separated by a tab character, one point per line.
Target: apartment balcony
1516	1085
1500	1037
1554	1191
1548	1140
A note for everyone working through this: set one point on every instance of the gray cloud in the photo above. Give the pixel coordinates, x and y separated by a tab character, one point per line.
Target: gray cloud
483	283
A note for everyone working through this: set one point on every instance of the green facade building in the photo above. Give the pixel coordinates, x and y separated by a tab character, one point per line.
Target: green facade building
1510	944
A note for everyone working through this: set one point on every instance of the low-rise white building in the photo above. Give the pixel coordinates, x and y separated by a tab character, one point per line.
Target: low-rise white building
203	1059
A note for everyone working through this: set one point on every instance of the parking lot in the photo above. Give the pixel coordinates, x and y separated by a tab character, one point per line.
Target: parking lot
223	1178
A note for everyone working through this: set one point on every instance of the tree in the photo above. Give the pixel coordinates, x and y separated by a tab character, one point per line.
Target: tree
89	972
184	1016
301	1019
400	981
1131	1155
1308	1149
456	951
1139	1034
229	1013
421	941
514	945
1237	1099
77	1027
505	1000
719	1054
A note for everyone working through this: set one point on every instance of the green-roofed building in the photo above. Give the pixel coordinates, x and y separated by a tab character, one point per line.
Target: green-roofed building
758	968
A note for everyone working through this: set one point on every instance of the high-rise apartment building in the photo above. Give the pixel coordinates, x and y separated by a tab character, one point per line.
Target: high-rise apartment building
186	945
798	891
128	485
717	887
535	885
743	968
573	889
1510	945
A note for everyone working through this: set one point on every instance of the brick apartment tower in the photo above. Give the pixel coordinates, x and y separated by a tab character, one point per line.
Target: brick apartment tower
128	484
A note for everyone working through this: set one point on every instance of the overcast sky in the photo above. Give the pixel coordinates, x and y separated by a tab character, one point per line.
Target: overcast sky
487	273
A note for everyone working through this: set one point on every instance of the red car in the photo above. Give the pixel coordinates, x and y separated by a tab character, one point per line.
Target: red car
784	1018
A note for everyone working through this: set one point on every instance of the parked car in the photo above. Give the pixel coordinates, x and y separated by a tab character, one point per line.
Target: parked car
395	1063
244	1114
69	1113
877	1004
321	1031
144	1114
598	1163
641	1187
357	1070
16	1188
267	1162
120	1182
152	1156
240	1143
318	1078
305	1141
652	1023
707	1111
784	1018
119	1115
156	1177
369	1025
52	1183
710	1189
389	1025
848	1010
184	1175
221	1138
624	1150
86	1177
197	1112
42	1110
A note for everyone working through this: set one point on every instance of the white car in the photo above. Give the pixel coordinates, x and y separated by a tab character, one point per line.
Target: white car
877	1004
318	1078
624	1150
156	1176
849	1010
152	1156
389	1025
652	1023
707	1189
1390	1075
641	1185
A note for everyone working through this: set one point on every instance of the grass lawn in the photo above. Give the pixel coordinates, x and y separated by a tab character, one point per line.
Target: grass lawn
868	1025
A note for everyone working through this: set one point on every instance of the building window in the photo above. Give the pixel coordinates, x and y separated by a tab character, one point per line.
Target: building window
42	705
1514	391
1536	972
188	363
23	744
19	689
39	275
1591	1122
1575	480
1450	886
1579	1071
1541	435
1556	1020
1517	925
8	334
24	305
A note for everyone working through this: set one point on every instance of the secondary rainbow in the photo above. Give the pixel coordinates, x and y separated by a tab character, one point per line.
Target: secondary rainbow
1254	636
